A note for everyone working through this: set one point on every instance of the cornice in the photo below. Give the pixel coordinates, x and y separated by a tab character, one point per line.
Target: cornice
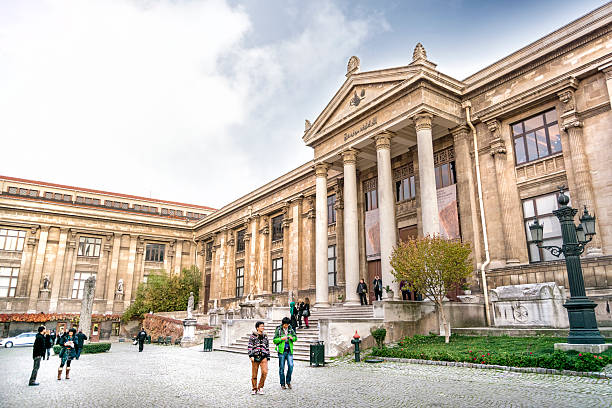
589	26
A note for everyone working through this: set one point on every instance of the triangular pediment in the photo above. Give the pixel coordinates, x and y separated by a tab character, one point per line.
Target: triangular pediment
359	93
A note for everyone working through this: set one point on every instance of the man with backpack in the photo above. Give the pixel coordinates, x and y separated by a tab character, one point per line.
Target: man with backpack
284	337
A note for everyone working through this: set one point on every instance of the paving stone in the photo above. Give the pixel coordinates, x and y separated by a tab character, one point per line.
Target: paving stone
164	376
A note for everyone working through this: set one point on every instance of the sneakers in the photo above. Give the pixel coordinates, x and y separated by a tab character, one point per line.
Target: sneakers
253	392
283	387
289	386
260	391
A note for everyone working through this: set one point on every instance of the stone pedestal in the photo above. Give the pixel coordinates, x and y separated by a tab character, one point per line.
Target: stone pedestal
189	326
583	348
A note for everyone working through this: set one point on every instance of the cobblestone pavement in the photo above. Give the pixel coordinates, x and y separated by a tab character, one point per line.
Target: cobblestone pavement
164	376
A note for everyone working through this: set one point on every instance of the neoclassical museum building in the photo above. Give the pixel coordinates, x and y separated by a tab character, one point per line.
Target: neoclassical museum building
398	152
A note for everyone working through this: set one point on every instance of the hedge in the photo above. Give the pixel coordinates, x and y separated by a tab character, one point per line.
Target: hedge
88	348
537	352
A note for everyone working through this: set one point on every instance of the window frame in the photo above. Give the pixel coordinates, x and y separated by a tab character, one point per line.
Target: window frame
334	259
370	189
524	134
208	255
531	219
81	283
83	241
277	275
13	281
331	209
153	253
239	281
12	235
277	228
240	243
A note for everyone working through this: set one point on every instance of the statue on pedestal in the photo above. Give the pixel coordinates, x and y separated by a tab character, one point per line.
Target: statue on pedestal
46	282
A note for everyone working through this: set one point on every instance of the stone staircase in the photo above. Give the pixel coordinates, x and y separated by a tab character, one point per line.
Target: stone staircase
301	348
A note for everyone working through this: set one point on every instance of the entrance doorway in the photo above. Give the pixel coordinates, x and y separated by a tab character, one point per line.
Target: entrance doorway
373	270
206	293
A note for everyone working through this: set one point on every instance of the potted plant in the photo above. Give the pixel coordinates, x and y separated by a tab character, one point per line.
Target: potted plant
389	292
465	287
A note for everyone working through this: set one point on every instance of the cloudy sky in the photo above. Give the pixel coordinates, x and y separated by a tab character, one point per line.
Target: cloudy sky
203	101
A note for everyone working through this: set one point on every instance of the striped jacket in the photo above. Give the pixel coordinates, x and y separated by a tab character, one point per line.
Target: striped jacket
259	344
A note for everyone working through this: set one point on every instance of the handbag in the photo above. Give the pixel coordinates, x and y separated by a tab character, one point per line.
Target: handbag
306	313
257	357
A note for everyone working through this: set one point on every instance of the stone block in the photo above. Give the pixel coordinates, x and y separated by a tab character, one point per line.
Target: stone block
583	348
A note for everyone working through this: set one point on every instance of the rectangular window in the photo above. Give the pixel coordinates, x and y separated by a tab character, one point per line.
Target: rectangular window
541	208
12	240
89	246
445	175
155	252
277	275
277	228
331	265
536	137
209	251
240	240
405	188
79	283
331	209
239	281
8	281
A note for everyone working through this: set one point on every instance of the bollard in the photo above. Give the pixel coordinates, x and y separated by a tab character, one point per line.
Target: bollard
356	340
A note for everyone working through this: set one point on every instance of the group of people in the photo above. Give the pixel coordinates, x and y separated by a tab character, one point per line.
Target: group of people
71	344
405	288
299	311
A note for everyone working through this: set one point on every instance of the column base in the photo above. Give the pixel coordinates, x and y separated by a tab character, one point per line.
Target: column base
322	305
512	261
351	303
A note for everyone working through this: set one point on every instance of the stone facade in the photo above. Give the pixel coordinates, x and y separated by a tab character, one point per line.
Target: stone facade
390	147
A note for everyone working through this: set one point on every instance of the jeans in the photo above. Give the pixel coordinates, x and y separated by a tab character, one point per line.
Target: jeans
48	353
378	294
35	369
78	352
282	358
363	298
140	345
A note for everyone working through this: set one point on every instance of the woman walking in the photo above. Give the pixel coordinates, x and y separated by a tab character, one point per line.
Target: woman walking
259	353
48	343
67	354
306	311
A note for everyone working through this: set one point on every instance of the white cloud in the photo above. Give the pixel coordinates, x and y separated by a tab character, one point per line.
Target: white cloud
161	96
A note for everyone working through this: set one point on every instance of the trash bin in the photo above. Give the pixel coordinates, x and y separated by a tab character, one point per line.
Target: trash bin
317	353
208	344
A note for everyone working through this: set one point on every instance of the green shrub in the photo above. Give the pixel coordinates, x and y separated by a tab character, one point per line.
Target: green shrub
496	350
379	335
90	348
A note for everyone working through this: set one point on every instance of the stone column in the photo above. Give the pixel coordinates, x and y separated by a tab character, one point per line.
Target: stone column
103	268
178	258
386	208
131	268
427	177
311	244
607	70
25	270
468	212
138	266
582	176
322	289
253	285
112	273
264	260
57	273
70	265
351	234
507	200
230	274
339	207
38	268
293	247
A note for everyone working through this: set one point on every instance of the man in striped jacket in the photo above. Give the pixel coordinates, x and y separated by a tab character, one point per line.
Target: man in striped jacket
259	353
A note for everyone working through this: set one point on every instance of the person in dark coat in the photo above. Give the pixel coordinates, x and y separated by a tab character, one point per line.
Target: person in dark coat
38	353
377	284
81	337
306	312
362	290
142	336
68	353
301	308
48	343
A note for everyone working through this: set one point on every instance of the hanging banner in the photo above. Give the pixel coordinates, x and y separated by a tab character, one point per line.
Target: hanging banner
447	208
372	231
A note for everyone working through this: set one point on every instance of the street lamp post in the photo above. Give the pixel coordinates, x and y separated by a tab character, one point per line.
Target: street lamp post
580	309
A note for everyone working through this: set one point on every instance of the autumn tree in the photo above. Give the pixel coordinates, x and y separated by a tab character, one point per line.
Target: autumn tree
433	266
165	293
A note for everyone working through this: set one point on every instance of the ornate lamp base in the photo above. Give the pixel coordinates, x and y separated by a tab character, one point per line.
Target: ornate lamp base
583	325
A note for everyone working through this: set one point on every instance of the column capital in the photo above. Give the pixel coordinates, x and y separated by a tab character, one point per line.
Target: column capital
497	147
349	156
423	120
460	132
383	140
321	169
571	122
